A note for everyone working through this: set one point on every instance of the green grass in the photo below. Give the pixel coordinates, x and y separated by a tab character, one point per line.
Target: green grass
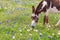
15	20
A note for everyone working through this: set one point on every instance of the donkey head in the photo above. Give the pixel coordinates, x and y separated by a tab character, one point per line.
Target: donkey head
35	12
34	17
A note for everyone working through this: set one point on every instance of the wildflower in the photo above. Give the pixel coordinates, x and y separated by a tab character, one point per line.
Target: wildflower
30	34
49	36
28	30
41	35
35	30
13	37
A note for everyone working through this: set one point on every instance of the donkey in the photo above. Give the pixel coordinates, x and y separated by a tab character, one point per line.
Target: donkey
44	6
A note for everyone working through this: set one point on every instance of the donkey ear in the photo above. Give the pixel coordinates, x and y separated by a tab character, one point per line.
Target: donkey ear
33	9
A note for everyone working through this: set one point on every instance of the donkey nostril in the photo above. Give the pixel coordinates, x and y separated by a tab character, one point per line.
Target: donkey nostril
32	26
36	20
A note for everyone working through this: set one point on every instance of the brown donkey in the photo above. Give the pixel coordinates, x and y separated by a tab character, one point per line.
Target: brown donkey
44	6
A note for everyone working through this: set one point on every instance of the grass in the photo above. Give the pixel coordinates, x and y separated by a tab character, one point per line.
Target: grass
15	19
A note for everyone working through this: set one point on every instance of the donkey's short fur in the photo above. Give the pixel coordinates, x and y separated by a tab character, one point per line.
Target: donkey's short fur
44	6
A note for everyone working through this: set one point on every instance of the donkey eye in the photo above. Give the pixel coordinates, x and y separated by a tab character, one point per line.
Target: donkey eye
33	17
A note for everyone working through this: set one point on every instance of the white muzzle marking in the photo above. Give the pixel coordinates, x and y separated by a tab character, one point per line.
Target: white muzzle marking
33	23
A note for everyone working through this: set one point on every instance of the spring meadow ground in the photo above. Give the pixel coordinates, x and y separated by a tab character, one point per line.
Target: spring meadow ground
15	20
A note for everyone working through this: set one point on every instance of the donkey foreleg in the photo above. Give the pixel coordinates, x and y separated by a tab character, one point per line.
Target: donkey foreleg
46	18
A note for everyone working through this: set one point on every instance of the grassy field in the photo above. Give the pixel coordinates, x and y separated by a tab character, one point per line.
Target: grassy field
15	20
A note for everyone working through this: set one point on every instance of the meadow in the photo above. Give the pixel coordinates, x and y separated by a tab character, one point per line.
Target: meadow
15	22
